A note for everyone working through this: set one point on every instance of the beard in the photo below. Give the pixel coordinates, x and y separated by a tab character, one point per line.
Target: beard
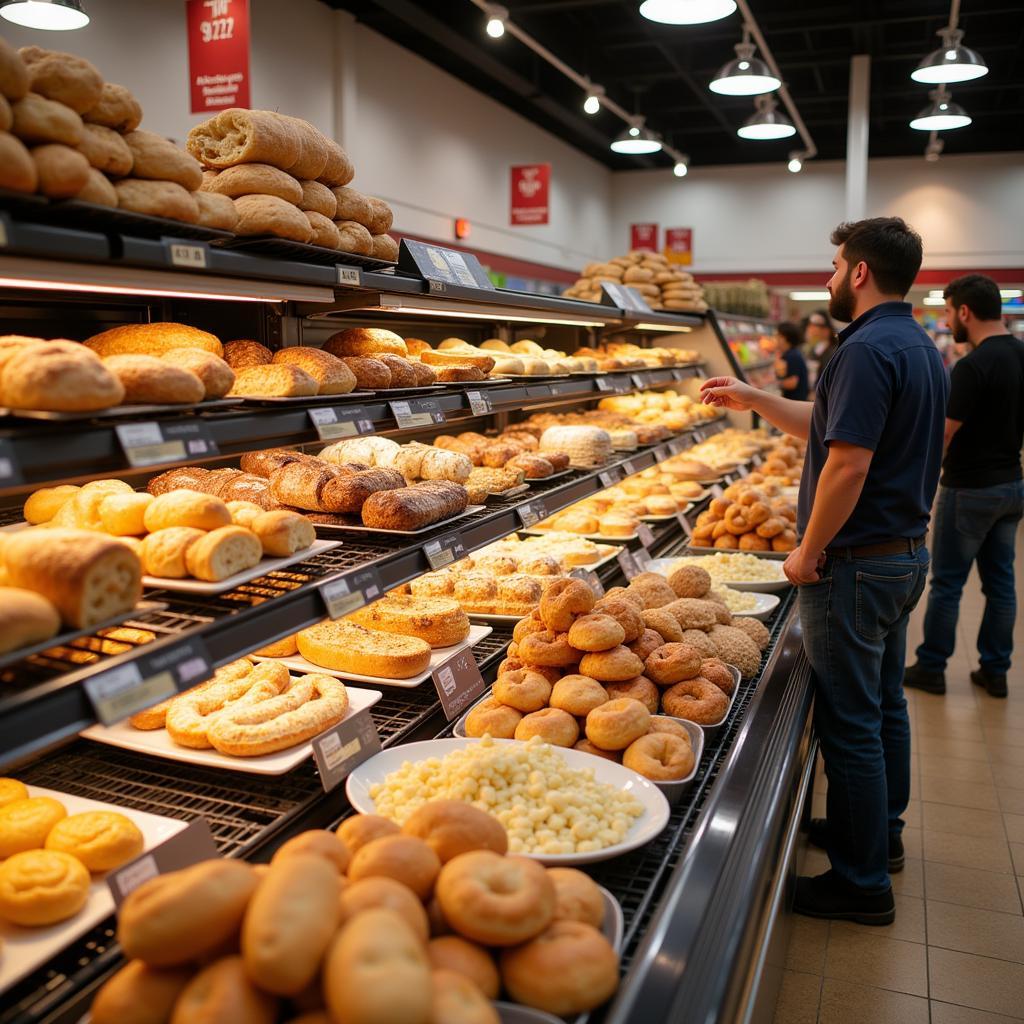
959	331
841	303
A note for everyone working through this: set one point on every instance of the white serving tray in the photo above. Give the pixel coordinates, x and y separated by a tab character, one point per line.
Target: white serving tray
359	528
158	743
664	566
26	949
766	604
643	830
438	656
265	565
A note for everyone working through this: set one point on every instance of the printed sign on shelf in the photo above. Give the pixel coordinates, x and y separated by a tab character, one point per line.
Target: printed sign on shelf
530	198
643	236
679	245
218	54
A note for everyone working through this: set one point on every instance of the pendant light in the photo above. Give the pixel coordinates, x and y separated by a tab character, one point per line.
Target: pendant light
942	114
951	62
496	18
686	12
745	75
53	15
636	140
766	122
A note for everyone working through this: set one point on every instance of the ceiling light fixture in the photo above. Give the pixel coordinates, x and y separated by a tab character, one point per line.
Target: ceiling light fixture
496	18
951	62
796	162
942	114
682	167
745	75
686	12
52	15
766	122
636	141
1010	293
592	104
933	300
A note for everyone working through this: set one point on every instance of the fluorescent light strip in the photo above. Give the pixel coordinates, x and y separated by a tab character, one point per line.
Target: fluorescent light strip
933	300
681	329
103	289
461	314
821	296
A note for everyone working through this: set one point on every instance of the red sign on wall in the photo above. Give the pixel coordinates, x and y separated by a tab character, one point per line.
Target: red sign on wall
643	236
679	245
531	186
218	54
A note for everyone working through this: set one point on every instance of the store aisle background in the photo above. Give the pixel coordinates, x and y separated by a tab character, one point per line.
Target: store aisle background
955	954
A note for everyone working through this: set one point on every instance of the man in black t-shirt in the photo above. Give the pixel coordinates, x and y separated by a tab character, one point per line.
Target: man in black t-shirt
981	499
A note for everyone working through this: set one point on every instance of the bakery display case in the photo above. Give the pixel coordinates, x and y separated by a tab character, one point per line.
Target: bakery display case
688	895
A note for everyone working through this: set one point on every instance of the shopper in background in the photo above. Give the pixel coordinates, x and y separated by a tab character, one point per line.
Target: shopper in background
874	449
790	366
981	499
820	337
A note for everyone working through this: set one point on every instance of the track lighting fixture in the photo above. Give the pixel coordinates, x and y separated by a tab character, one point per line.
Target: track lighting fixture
745	75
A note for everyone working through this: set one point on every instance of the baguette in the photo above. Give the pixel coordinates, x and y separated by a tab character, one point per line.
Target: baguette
449	357
412	508
439	621
347	647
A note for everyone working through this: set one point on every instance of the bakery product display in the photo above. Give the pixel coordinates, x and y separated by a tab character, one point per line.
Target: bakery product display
650	273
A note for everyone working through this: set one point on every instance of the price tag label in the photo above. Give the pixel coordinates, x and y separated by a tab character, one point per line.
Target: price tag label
716	490
642	559
441	267
629	467
188	255
479	403
532	512
345	747
604	384
678	375
590	578
458	683
444	550
126	689
10	471
623	296
610	477
191	845
662	452
677	445
621	384
697	436
645	533
154	444
565	387
627	563
349	275
344	595
685	524
742	470
421	412
640	380
333	423
538	391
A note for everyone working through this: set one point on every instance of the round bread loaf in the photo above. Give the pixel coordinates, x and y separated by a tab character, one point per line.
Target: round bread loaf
365	341
154	339
254	179
333	377
41	887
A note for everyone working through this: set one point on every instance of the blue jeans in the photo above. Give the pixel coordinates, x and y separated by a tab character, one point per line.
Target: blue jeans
854	623
973	523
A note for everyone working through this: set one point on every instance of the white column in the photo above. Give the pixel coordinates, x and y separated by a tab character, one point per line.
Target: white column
857	137
346	87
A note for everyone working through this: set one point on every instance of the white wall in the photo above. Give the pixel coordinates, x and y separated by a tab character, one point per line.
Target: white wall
760	218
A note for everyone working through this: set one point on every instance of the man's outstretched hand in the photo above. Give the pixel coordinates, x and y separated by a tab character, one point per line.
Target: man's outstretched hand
727	393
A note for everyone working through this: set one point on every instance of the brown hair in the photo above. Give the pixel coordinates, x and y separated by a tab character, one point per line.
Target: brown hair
888	245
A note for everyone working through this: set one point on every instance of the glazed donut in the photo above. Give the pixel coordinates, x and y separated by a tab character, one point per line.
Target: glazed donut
596	632
613	666
672	663
533	623
495	900
754	542
714	670
664	623
523	690
771	527
654	589
613	726
589	748
577	897
649	640
659	723
726	542
696	700
626	612
640	688
737	520
660	756
578	695
552	725
547	648
690	581
492	717
757	513
563	601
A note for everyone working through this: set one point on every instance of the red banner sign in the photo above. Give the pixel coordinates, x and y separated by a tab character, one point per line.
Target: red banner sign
531	187
643	236
679	245
218	54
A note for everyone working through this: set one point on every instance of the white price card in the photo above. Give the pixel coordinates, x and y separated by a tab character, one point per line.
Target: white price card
346	594
422	412
532	512
458	683
155	444
344	747
349	275
645	533
187	255
334	423
444	550
479	403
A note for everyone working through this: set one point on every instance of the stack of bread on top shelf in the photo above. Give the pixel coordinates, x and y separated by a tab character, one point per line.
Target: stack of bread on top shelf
286	178
651	274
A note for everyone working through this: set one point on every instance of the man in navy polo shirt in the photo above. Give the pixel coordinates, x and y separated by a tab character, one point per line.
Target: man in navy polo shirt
874	446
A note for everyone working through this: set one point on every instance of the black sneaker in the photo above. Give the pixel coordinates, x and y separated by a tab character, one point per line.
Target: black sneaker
831	897
918	678
817	835
995	685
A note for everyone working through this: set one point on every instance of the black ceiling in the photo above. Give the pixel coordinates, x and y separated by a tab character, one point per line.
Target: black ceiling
662	71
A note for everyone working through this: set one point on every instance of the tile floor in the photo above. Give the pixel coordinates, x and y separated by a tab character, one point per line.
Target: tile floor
955	954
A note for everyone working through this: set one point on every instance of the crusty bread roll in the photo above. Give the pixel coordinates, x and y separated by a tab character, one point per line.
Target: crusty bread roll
138	994
313	152
17	170
39	120
216	376
354	237
277	380
216	211
87	577
14	73
105	150
98	190
157	199
26	618
237	136
157	159
371	374
63	77
254	179
153	339
41	887
325	231
384	248
353	205
101	840
222	993
365	341
270	215
117	108
164	551
332	376
318	198
457	999
186	508
338	169
223	552
282	533
148	379
62	172
242	354
381	217
123	515
44	504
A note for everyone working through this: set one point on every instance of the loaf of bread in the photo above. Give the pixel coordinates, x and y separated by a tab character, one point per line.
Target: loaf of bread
301	484
372	450
242	354
354	238
282	533
157	199
154	339
63	77
325	231
216	211
98	190
349	492
401	369
215	374
60	376
381	217
450	357
440	621
37	120
105	150
246	487
345	646
61	171
412	508
365	341
13	72
425	375
86	576
25	618
254	179
117	109
148	379
317	198
354	206
263	463
223	552
17	170
275	380
192	478
585	446
338	169
157	159
459	373
163	552
332	376
269	215
238	136
123	515
384	248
